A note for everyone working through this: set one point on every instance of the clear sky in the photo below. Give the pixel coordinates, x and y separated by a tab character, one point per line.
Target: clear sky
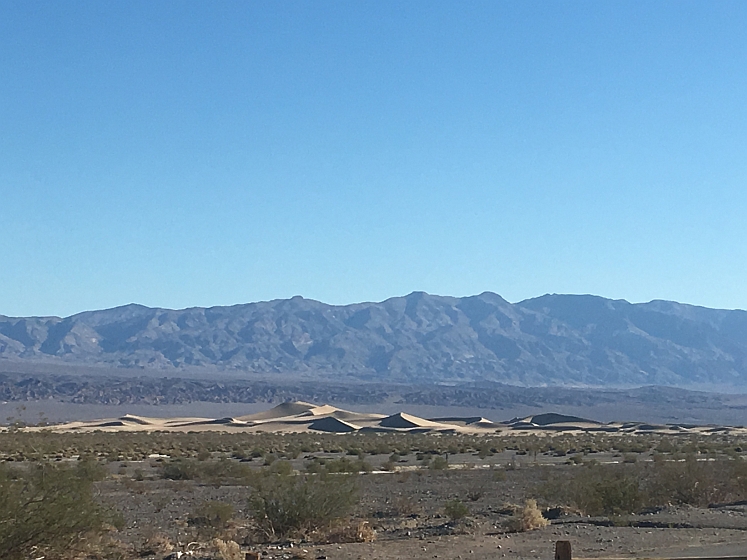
187	153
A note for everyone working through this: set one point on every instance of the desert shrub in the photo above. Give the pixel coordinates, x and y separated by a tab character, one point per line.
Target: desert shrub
439	463
597	490
213	472
315	466
282	466
218	472
46	507
456	509
179	469
90	469
345	465
211	518
666	445
475	493
739	476
281	505
403	506
527	518
609	492
203	455
691	482
620	489
576	459
499	475
389	466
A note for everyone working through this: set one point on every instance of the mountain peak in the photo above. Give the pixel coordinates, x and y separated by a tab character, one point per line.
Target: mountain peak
555	339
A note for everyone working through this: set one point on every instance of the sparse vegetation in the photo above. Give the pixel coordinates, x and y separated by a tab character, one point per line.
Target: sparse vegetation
281	505
211	518
456	509
46	507
250	488
527	518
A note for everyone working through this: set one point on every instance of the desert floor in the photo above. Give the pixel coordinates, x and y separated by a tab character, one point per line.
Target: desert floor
406	509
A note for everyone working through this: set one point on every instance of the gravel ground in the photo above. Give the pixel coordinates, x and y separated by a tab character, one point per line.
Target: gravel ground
406	510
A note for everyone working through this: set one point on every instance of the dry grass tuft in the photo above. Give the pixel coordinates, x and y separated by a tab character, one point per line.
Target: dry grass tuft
92	547
528	518
156	544
359	532
228	550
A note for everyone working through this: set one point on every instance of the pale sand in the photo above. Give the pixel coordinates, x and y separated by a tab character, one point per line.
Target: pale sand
295	417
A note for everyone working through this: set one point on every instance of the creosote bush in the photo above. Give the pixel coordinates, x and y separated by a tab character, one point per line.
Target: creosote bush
282	505
46	508
212	518
597	490
439	463
213	472
456	509
629	487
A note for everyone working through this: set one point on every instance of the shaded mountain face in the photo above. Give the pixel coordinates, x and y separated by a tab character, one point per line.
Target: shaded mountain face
553	339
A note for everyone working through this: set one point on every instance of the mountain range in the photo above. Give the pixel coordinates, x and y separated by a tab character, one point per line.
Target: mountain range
565	340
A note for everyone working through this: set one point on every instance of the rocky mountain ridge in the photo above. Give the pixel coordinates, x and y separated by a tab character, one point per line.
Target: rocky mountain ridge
419	338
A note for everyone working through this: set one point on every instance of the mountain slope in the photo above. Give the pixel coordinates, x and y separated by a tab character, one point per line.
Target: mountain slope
553	339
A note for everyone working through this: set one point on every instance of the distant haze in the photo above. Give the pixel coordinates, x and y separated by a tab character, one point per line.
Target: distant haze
567	340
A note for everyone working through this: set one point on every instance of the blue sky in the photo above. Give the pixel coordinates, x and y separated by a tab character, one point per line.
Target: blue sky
183	154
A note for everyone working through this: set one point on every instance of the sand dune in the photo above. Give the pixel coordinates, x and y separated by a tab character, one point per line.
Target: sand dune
470	421
216	422
402	420
280	411
322	410
302	416
358	416
129	418
555	418
332	424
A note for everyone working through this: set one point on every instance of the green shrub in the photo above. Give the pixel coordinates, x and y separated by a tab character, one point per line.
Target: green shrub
456	509
690	482
282	505
439	463
282	467
597	490
179	469
90	469
211	518
47	507
218	472
203	455
213	472
739	476
345	465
